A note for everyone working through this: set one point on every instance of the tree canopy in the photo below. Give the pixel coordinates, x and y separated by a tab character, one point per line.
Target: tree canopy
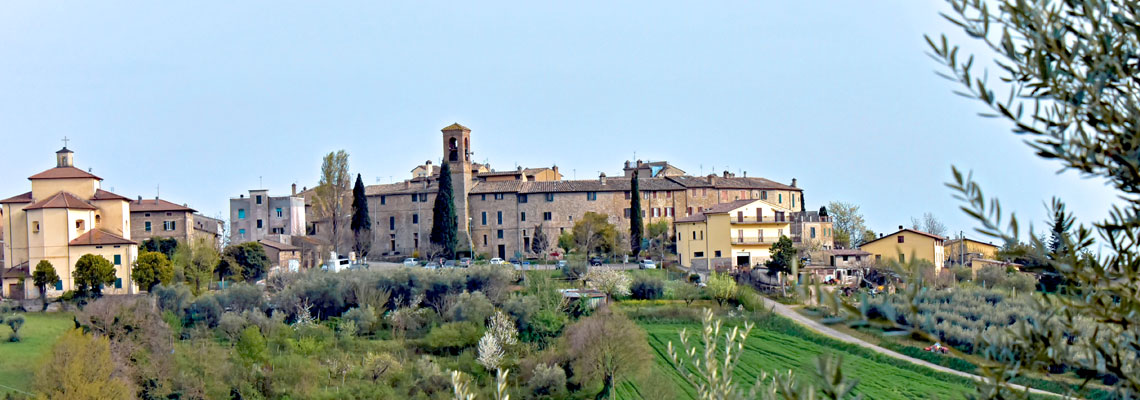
91	273
636	224
152	268
594	233
444	224
361	221
43	276
329	199
847	222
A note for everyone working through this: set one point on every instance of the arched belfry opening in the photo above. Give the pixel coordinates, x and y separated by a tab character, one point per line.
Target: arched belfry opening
453	149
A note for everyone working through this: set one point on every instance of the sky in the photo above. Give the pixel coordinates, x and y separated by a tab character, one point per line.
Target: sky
203	101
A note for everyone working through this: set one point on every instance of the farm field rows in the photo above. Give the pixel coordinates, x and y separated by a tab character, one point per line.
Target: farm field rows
773	351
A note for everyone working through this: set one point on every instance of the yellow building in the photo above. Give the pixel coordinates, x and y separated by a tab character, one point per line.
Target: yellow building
906	243
963	250
65	216
738	233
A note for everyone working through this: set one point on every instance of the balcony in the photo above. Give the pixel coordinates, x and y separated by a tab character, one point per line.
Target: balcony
755	220
753	241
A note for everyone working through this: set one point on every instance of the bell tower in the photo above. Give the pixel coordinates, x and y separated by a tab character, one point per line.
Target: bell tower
457	154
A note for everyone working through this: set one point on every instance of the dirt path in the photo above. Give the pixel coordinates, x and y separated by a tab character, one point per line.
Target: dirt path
788	312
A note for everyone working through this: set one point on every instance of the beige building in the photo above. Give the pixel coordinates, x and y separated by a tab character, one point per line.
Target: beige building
151	218
739	233
907	244
260	216
65	216
285	256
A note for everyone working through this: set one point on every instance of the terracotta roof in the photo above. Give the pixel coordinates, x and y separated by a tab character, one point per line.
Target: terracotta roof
278	245
149	205
525	171
454	127
699	217
592	185
64	173
726	207
61	200
20	198
848	252
100	237
101	194
19	271
929	235
730	183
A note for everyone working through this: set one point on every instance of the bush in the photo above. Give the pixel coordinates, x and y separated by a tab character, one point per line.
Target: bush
990	276
574	271
452	337
469	307
204	311
644	288
548	381
364	318
611	282
963	274
722	287
15	322
242	297
231	324
1022	283
175	298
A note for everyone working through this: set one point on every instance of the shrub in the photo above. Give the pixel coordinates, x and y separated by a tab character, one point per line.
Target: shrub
963	274
548	381
644	288
80	366
251	346
175	298
678	290
231	324
469	307
364	318
722	287
204	311
990	276
452	337
574	271
1022	283
15	322
242	297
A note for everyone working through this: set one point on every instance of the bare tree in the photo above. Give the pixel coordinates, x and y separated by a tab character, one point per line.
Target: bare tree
332	195
929	224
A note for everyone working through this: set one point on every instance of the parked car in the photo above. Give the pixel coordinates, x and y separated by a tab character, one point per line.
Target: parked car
432	265
561	264
451	264
496	261
647	264
596	262
465	261
411	262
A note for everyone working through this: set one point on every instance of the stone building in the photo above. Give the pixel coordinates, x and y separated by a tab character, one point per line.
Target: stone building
261	215
65	216
498	212
151	218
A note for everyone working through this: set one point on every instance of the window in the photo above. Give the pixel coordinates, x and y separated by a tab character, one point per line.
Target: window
59	285
656	211
483	197
549	197
146	226
591	196
694	235
522	217
118	283
484	218
118	259
698	254
702	235
415	218
98	219
813	232
392	223
259	224
169	225
383	200
241	213
259	199
241	233
627	195
498	196
148	214
484	240
628	213
423	197
499	233
878	257
416	240
793	199
668	195
844	258
645	195
716	253
780	198
655	194
522	198
415	197
547	216
499	217
278	231
279	212
900	238
763	195
79	225
169	214
688	211
670	212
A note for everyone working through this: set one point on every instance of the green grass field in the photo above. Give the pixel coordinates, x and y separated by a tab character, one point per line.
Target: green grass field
18	360
772	351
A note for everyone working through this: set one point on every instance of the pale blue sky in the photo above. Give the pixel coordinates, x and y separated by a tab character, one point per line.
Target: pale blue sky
205	97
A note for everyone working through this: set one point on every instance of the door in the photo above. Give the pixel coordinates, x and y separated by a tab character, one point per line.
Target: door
16	291
503	251
743	260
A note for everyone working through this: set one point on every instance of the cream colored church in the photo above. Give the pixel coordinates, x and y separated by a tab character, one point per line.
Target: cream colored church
65	216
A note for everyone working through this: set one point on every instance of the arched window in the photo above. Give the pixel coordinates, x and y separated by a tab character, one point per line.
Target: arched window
453	149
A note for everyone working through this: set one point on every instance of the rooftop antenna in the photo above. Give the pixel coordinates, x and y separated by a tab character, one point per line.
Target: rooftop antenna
157	191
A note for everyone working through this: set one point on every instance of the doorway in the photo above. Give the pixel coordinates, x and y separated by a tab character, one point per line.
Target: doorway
743	260
503	251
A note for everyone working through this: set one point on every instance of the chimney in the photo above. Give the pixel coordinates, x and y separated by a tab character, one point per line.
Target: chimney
428	163
240	196
793	182
602	178
626	164
726	174
639	163
555	169
140	199
712	179
745	174
294	189
900	227
880	234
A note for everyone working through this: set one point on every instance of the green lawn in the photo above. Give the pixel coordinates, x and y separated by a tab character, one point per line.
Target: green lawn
768	350
19	360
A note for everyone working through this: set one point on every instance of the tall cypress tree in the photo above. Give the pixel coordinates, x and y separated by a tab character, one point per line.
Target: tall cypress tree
444	224
361	222
635	223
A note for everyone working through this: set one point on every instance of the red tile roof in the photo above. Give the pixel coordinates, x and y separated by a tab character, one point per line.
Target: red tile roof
101	194
19	199
61	200
98	237
278	245
455	127
699	217
917	232
64	173
726	207
149	205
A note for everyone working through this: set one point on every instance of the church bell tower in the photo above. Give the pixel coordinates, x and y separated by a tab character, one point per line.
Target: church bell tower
457	154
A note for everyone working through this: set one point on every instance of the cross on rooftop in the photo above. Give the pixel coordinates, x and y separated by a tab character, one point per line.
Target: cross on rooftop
65	140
